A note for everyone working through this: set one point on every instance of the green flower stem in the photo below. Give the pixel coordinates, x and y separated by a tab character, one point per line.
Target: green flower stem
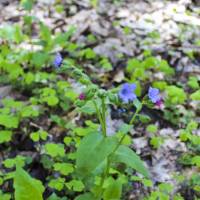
108	160
135	114
102	119
104	116
104	176
98	113
122	138
101	115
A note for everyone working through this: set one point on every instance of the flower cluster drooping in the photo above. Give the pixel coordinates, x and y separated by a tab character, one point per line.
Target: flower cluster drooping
126	93
57	60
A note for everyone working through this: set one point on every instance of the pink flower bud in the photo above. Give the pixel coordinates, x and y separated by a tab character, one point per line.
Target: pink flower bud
82	96
159	103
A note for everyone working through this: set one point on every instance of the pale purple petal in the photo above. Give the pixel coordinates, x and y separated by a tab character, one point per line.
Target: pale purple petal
132	86
57	60
153	94
126	93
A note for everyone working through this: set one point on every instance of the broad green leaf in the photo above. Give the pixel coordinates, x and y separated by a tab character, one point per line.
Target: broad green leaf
193	82
26	187
146	182
5	136
63	37
9	121
125	128
132	65
161	85
126	155
55	197
156	141
1	180
164	67
154	35
138	73
193	125
83	131
27	4
35	136
4	196
29	78
17	161
45	34
195	96
39	59
43	134
57	184
151	128
47	162
49	96
29	111
175	95
127	140
67	140
113	190
52	101
144	118
12	104
71	94
196	160
150	62
165	187
88	108
55	149
88	53
178	197
86	196
64	168
18	36
75	185
11	33
106	64
92	151
14	70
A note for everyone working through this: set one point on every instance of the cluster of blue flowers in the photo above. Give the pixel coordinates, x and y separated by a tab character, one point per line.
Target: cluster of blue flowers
127	94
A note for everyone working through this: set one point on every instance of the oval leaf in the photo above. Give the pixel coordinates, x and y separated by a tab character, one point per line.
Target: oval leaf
86	196
26	187
126	155
92	151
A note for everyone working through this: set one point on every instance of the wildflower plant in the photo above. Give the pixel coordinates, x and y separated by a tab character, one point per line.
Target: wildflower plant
98	153
67	158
